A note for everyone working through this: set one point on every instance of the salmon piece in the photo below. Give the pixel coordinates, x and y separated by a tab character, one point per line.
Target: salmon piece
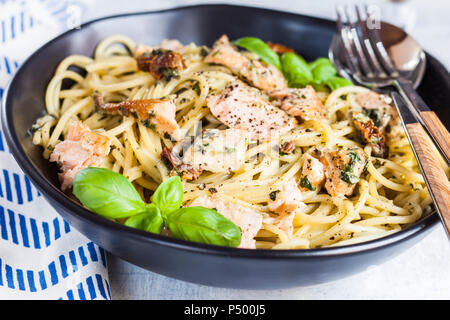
264	77
243	107
279	48
286	200
300	102
245	218
376	107
284	223
313	175
83	148
370	134
161	63
343	169
173	161
158	114
217	150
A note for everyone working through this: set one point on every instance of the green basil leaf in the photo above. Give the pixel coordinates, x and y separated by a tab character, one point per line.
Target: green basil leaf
107	193
338	82
203	225
296	70
150	221
261	48
322	69
168	196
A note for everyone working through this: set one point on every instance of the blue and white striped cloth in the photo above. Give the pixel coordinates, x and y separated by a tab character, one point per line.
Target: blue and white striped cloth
41	256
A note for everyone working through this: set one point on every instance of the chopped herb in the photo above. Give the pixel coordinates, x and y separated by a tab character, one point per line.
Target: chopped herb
273	195
203	51
377	163
366	165
180	91
196	88
168	137
388	128
349	177
134	114
305	183
146	123
354	157
230	150
212	190
374	115
168	73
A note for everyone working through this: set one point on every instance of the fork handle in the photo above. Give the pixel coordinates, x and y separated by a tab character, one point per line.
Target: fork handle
437	130
427	118
434	175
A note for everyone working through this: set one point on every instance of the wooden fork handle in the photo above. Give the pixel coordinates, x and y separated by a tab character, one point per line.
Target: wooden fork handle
428	118
434	175
437	130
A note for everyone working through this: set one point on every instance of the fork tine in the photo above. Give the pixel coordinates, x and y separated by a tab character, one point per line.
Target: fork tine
350	58
376	66
379	49
357	45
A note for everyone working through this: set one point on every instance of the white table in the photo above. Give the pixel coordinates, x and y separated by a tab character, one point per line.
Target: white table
421	272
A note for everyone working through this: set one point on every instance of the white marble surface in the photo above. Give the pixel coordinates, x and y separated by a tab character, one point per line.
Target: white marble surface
421	272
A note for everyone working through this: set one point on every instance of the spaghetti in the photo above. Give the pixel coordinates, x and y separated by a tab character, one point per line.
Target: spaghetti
389	195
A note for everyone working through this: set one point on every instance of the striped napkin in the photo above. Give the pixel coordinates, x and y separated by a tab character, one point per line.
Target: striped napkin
41	255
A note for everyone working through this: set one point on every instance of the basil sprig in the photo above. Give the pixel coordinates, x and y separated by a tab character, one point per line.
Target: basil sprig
296	70
318	73
261	48
151	220
107	193
111	195
203	225
168	196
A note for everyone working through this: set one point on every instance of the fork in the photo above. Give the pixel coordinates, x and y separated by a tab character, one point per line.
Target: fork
370	65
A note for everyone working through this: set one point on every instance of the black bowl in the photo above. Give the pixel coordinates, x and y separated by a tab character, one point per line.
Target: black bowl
204	264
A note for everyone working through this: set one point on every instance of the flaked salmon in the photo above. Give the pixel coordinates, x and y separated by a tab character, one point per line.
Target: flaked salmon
287	199
253	71
370	134
161	63
312	175
243	107
245	218
83	148
343	169
285	223
376	107
217	150
157	114
300	102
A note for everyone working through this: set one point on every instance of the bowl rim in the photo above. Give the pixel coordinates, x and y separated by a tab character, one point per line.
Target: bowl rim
54	194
